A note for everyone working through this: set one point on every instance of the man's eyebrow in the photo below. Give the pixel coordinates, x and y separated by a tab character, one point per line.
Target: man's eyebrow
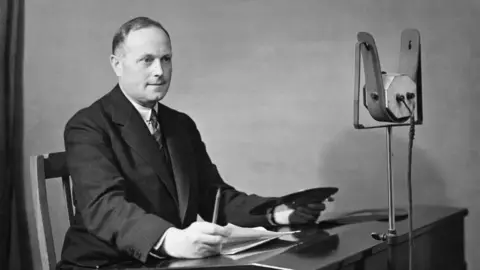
144	55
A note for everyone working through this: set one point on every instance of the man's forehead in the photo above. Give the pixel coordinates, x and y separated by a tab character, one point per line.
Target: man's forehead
151	39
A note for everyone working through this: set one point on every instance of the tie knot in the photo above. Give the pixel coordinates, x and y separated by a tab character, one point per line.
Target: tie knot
153	118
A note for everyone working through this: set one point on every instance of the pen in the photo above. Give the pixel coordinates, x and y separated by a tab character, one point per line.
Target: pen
215	209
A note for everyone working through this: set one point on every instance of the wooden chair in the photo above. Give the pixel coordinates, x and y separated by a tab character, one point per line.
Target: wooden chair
42	168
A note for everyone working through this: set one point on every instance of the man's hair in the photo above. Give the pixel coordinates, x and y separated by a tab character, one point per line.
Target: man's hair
132	25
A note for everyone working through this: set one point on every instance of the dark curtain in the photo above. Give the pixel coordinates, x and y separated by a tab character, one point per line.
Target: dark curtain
11	123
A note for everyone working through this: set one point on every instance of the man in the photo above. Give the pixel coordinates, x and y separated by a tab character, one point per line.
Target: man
141	172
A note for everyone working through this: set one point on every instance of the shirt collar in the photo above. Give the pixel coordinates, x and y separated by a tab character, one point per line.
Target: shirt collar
144	112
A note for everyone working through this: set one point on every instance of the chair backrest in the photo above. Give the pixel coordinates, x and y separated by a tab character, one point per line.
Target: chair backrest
42	168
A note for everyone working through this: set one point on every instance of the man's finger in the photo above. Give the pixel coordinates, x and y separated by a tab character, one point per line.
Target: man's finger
204	250
212	229
211	240
315	206
307	210
304	216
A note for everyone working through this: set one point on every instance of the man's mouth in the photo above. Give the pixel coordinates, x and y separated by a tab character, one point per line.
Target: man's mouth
157	84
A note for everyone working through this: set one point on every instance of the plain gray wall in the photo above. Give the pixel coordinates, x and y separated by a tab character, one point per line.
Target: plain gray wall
270	85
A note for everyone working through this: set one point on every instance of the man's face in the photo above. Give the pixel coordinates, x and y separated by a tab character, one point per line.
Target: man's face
143	65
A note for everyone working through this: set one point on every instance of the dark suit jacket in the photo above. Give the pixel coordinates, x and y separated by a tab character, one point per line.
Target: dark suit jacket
125	198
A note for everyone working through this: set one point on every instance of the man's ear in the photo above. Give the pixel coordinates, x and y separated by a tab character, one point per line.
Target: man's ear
116	64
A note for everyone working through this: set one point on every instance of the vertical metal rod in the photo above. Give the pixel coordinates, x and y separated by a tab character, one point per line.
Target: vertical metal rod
356	96
391	208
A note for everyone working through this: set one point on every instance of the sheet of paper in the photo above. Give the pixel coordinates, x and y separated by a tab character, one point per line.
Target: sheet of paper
243	239
258	254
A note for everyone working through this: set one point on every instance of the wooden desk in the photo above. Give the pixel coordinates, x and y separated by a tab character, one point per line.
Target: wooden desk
438	234
439	244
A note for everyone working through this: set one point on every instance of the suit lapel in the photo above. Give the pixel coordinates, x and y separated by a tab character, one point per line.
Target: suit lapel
138	137
181	156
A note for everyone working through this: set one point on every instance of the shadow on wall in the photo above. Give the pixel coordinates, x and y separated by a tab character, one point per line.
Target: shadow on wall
356	162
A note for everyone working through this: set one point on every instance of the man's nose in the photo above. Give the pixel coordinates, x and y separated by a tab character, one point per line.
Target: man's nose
157	68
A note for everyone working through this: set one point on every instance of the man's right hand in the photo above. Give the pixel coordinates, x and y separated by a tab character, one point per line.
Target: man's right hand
199	240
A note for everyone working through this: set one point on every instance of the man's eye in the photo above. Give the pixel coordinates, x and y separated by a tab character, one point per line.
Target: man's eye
148	59
167	58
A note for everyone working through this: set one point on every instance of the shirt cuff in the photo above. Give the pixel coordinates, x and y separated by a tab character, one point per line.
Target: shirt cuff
270	217
157	250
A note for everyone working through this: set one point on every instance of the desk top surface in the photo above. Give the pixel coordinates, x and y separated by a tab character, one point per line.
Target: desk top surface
320	246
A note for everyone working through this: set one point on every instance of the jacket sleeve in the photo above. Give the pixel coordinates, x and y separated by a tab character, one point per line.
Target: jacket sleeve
100	191
235	205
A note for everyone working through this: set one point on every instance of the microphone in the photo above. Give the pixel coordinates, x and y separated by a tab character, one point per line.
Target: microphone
391	99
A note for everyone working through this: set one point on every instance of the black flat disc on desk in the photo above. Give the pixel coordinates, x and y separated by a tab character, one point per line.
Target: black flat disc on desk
302	197
365	215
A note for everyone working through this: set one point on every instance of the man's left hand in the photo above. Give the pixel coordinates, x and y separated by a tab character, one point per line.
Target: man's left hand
304	214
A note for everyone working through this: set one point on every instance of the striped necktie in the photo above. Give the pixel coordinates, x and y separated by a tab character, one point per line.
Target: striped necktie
157	132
